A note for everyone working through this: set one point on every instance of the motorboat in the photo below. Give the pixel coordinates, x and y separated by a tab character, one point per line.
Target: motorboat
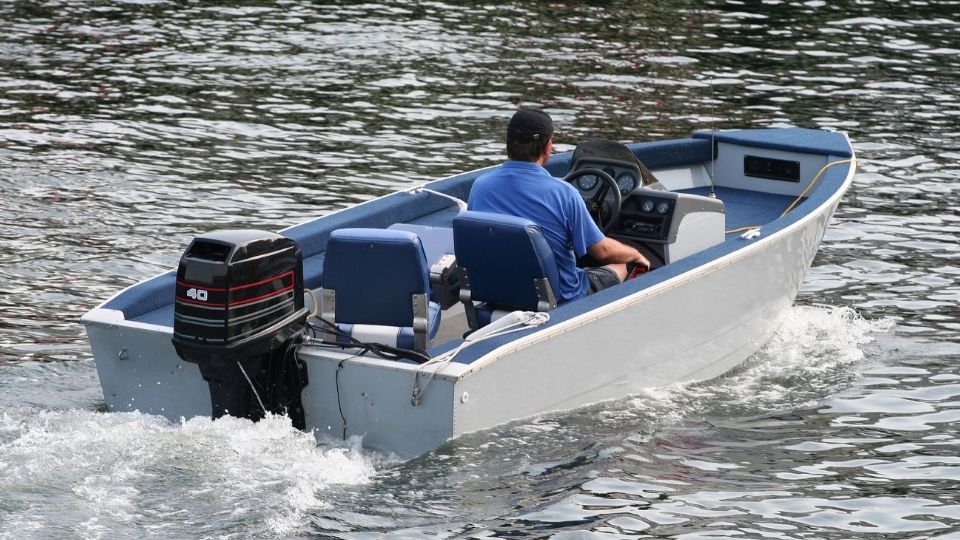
408	320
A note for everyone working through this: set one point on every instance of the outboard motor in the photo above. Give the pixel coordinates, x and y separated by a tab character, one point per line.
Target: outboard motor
239	314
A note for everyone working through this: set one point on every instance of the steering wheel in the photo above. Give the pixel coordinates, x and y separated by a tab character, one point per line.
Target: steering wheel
598	204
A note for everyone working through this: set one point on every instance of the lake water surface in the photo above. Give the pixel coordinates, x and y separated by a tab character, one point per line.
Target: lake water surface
128	126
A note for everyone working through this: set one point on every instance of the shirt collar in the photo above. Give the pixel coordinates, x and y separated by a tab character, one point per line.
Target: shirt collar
524	165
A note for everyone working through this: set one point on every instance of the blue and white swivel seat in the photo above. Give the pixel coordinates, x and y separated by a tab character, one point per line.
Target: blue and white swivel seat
376	289
505	264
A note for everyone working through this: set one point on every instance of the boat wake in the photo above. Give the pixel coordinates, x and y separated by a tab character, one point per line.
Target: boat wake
815	352
109	472
137	474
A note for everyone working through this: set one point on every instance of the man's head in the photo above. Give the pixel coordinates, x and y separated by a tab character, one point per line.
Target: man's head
529	133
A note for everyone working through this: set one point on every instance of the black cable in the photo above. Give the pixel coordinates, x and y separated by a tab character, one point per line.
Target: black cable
383	351
336	378
289	359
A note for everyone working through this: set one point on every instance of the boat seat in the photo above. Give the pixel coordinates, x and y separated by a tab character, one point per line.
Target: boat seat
438	247
505	264
376	288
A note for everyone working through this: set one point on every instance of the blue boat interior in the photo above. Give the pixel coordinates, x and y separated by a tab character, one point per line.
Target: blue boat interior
746	208
431	217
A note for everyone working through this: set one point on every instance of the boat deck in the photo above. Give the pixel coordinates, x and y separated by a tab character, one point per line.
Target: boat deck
746	208
694	318
743	209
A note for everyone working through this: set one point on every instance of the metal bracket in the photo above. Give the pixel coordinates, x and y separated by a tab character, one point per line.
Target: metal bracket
421	320
546	299
328	312
469	309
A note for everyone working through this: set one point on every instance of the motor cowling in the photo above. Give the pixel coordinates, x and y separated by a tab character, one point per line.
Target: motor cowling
239	314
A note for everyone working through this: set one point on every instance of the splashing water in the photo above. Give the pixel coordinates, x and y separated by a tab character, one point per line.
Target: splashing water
129	127
114	470
813	353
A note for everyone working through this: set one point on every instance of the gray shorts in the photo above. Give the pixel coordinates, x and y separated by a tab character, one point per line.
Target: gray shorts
601	278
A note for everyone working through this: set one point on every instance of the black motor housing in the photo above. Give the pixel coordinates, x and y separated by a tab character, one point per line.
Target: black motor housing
239	314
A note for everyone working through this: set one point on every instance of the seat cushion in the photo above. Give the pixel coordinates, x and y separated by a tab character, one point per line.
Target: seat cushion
374	274
486	314
503	255
394	336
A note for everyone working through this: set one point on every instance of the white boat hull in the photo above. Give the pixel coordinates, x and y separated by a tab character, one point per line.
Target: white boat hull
690	321
698	326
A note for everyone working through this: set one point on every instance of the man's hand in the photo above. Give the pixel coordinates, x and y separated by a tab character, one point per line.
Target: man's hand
610	251
642	261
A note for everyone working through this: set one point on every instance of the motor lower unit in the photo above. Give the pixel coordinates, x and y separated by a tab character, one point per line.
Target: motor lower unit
239	314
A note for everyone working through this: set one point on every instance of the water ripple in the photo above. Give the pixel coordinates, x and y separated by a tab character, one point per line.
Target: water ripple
129	127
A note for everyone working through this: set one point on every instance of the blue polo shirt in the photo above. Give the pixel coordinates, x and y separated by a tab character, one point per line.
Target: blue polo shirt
527	190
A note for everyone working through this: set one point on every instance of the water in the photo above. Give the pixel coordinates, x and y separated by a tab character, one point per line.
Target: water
130	126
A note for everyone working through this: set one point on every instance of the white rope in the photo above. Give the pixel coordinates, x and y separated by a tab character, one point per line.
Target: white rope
460	202
531	320
316	303
247	377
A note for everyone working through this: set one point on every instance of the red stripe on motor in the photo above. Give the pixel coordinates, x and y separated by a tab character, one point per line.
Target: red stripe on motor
261	297
198	302
268	280
244	286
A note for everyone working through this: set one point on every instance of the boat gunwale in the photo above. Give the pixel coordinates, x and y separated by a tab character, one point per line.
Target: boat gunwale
454	371
656	289
458	370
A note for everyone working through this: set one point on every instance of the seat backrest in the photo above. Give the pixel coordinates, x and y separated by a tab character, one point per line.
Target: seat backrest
503	258
374	273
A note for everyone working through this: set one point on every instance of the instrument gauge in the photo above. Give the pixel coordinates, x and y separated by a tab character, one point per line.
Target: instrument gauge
663	207
647	205
626	182
587	182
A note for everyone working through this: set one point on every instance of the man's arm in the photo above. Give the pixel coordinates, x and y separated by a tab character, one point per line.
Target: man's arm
610	251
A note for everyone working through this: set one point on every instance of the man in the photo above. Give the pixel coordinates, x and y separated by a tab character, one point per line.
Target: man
522	187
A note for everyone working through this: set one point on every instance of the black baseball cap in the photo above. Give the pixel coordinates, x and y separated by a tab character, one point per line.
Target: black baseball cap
529	124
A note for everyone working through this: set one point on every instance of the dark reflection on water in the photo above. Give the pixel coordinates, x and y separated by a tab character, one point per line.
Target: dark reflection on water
128	127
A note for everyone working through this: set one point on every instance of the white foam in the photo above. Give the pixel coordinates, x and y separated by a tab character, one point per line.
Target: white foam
815	352
113	470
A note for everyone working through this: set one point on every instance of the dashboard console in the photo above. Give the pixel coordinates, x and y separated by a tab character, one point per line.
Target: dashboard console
668	224
672	225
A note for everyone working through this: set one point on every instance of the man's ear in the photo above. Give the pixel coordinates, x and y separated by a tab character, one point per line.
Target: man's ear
547	150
